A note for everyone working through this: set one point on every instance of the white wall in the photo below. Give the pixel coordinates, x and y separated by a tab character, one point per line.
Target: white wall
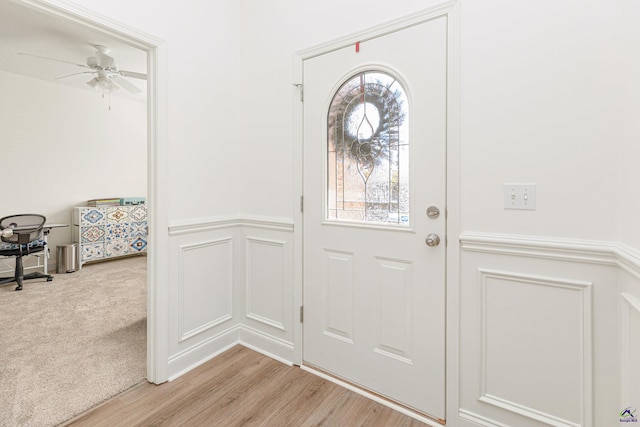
203	59
62	146
629	206
540	104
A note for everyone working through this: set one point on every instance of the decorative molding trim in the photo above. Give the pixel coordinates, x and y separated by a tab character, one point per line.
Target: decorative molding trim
248	274
184	335
437	10
266	321
591	252
199	225
472	417
585	289
209	325
528	412
192	357
278	349
628	259
77	14
629	303
278	224
631	300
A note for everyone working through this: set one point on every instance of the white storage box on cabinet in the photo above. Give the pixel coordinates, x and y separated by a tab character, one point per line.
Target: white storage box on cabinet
109	231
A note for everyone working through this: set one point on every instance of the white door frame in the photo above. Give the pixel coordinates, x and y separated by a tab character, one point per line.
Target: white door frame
157	257
451	10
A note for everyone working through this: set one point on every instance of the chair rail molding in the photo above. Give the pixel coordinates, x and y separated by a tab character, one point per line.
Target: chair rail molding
199	225
628	259
592	252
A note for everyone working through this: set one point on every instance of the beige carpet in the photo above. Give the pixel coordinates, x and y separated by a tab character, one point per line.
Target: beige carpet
72	343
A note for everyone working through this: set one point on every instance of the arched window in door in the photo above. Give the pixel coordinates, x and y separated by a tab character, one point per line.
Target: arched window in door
368	151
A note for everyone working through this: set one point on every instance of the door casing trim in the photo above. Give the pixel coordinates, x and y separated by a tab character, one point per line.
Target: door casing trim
451	10
157	258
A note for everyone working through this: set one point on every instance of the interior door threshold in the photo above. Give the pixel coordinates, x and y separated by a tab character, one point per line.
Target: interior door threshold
395	405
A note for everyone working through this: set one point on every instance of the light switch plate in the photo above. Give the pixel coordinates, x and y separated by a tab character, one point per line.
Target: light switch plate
520	196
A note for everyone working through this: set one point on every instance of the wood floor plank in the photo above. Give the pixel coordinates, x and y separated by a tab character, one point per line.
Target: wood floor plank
319	400
242	388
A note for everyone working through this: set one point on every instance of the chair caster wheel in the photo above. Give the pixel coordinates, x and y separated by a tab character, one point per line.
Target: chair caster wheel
49	279
19	288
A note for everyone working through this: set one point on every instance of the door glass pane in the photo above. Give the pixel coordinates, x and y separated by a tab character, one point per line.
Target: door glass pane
368	151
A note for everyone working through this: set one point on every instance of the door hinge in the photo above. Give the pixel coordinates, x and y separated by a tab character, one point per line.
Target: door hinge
300	86
301	314
302	204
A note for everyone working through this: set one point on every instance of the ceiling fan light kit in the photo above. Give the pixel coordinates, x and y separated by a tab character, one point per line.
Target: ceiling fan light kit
102	83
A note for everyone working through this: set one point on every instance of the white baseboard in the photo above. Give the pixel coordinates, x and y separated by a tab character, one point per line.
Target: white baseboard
274	348
193	357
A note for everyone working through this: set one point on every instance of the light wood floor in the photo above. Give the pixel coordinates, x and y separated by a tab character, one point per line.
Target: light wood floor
242	388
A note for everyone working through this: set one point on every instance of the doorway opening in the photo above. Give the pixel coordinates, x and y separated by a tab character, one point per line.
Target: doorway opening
153	48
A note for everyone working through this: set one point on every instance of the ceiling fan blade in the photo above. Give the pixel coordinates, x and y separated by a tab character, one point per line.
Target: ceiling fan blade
75	74
129	87
133	74
53	59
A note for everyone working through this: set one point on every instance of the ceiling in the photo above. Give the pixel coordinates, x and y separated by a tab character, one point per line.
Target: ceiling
25	30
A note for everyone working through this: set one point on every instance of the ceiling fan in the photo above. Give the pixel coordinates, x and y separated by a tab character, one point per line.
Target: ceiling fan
108	76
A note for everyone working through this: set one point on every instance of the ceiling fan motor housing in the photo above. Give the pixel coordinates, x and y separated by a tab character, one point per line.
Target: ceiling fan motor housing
92	61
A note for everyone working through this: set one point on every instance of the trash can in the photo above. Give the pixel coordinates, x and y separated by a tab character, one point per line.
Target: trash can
67	261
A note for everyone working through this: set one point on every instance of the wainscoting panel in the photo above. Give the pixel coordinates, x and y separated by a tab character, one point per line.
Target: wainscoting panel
548	329
234	284
265	284
535	336
630	352
265	287
202	319
534	319
205	293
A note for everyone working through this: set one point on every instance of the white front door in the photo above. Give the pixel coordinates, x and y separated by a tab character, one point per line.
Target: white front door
374	162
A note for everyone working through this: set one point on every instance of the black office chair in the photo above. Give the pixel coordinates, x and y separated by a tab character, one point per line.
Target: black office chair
26	240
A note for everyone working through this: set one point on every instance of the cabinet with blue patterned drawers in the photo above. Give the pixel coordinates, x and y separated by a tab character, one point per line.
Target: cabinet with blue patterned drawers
109	231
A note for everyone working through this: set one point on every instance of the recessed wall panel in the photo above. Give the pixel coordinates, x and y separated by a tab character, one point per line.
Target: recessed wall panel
265	287
536	346
206	285
395	309
338	282
630	369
